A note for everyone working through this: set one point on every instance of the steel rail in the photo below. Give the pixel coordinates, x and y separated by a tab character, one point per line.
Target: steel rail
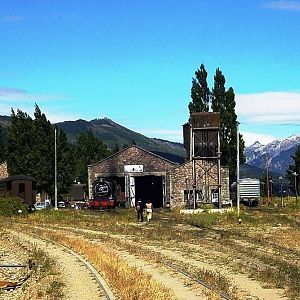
96	275
100	281
199	281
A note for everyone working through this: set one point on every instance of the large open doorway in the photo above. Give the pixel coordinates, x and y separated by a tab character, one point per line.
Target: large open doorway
149	188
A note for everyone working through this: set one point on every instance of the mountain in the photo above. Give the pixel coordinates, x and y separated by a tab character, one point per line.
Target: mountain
277	154
112	133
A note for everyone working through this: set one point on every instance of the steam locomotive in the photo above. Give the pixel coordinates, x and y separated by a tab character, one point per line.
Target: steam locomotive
103	194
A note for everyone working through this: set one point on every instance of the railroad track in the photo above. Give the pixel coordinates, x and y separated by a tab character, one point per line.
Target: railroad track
198	281
96	281
94	273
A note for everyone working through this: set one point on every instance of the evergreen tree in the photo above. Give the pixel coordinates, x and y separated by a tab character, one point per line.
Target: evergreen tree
294	169
65	165
2	148
43	152
200	93
224	102
88	150
20	141
116	148
31	152
218	93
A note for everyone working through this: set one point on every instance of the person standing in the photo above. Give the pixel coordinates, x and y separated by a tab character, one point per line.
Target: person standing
149	209
139	210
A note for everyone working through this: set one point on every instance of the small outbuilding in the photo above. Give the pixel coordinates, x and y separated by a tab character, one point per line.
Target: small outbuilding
21	186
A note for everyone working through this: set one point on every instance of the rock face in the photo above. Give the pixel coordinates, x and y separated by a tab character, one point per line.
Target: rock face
277	153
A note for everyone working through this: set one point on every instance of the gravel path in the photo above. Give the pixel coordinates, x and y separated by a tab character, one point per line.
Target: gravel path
79	282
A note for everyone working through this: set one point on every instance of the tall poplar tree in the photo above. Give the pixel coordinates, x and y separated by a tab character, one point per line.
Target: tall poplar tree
43	151
200	93
224	102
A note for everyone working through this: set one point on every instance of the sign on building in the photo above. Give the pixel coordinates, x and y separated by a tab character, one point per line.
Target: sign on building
134	168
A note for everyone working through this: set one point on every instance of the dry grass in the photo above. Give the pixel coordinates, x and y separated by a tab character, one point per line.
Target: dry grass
129	282
249	247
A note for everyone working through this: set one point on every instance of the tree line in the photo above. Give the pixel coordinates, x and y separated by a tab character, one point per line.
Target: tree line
30	151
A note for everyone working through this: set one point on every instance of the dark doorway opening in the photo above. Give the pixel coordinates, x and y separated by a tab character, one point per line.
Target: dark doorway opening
149	188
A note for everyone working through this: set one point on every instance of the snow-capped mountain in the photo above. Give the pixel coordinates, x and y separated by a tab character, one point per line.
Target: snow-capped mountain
277	153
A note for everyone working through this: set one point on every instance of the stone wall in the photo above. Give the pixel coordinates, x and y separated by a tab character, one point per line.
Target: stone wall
207	176
3	170
133	155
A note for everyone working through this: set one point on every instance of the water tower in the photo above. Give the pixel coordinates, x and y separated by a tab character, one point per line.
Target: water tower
201	137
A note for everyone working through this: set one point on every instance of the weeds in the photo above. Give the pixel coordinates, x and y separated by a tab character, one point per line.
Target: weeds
55	290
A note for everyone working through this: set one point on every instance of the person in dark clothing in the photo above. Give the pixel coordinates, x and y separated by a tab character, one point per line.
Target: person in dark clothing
139	209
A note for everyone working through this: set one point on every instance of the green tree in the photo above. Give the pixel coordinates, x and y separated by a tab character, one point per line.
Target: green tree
293	171
200	93
31	151
224	102
65	165
20	141
43	152
88	150
218	93
116	148
2	148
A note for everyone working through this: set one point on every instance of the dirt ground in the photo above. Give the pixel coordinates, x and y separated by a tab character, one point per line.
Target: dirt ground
230	258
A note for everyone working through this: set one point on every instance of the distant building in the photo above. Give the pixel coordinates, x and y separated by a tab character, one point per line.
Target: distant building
21	186
78	192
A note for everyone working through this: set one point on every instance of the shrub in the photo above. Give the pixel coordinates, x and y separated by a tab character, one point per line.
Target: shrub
9	206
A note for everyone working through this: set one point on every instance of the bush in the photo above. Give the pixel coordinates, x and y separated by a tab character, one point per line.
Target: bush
9	206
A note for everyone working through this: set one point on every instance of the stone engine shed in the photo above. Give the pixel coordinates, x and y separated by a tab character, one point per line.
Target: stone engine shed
143	175
139	173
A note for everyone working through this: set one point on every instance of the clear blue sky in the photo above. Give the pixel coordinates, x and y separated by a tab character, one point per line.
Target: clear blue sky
133	61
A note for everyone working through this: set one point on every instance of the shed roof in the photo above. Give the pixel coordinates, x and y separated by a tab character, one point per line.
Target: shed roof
18	177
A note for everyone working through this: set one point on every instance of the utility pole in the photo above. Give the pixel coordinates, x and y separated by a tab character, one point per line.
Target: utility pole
238	170
281	198
267	179
295	183
55	172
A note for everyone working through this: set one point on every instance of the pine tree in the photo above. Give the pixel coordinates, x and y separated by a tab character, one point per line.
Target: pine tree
20	140
293	172
116	148
2	148
65	165
31	152
88	150
200	93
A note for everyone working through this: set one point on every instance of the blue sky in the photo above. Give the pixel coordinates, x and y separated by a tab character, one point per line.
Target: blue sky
133	61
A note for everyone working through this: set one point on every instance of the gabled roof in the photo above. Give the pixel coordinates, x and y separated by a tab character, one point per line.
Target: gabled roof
132	146
18	177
